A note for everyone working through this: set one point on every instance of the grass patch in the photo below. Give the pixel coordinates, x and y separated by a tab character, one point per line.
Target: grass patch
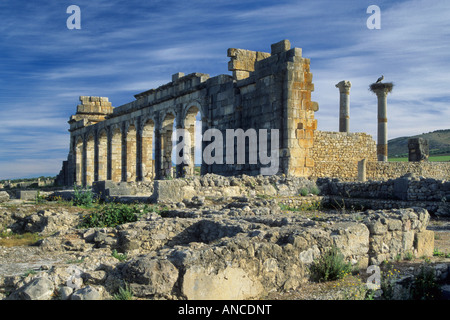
9	239
431	159
313	206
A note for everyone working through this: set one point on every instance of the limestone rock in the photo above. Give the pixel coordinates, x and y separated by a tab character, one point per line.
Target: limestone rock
200	283
86	293
149	276
425	243
65	292
38	289
4	196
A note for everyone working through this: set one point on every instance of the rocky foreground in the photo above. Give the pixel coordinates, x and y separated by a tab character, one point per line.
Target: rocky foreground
213	237
242	248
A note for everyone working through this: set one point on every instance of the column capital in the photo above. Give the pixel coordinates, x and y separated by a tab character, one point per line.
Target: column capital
344	86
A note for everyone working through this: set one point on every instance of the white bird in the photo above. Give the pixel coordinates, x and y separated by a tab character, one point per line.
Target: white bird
380	79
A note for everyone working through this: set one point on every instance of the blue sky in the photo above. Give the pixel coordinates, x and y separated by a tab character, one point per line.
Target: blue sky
126	47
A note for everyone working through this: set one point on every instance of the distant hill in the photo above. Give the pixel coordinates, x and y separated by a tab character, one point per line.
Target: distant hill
438	141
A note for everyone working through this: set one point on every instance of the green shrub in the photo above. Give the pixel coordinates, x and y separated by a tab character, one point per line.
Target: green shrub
111	215
425	286
303	192
119	256
83	197
409	256
330	266
315	191
389	278
39	199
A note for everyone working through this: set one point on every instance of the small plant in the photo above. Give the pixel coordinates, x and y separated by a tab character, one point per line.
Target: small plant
388	283
314	190
119	256
425	286
38	199
83	198
330	266
124	293
438	253
409	256
353	288
29	272
303	192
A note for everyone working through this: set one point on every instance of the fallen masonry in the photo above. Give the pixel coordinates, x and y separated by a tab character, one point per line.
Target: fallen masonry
230	250
216	238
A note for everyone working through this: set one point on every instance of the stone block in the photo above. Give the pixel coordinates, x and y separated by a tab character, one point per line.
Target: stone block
424	243
168	190
200	283
418	149
177	76
26	194
280	47
38	289
86	293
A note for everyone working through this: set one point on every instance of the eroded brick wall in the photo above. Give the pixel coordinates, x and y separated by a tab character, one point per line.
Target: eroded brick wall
336	154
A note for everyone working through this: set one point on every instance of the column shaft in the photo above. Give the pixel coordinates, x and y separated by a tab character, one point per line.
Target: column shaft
344	105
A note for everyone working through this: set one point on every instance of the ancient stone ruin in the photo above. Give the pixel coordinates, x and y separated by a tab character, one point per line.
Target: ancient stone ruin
231	230
264	108
418	149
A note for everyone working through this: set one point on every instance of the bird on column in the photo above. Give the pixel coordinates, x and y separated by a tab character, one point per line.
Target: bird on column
380	79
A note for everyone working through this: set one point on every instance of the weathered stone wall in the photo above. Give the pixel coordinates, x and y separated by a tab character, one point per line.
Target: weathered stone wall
391	170
336	154
398	232
212	185
268	91
407	191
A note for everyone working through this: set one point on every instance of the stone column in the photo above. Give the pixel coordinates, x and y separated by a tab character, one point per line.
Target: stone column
381	90
362	170
158	154
344	105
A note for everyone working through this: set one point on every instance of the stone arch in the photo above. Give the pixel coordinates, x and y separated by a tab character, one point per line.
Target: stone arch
90	145
102	155
79	160
131	152
188	106
147	147
166	131
116	154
